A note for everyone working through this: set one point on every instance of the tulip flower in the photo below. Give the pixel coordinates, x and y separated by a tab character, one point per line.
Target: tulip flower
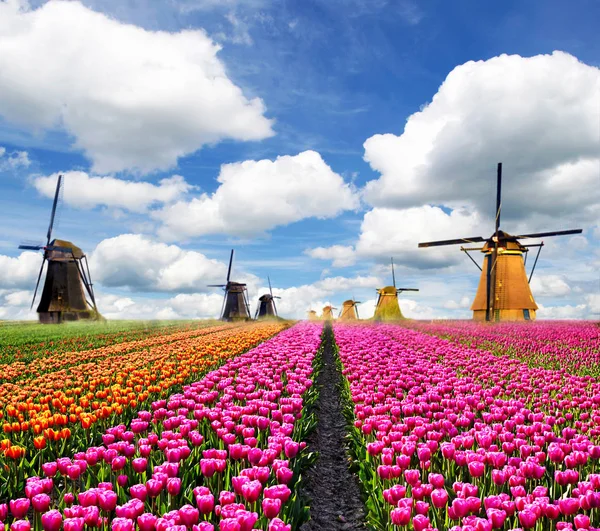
52	520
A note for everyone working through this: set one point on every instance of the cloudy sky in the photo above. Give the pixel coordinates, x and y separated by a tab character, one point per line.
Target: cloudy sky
318	138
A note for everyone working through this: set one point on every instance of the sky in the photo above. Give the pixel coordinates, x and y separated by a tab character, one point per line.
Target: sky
317	138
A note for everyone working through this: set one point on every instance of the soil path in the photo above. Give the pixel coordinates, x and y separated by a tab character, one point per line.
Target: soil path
335	497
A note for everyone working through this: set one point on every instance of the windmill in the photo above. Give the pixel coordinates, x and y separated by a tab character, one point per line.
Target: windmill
68	281
349	311
266	304
235	302
387	308
503	293
312	315
328	313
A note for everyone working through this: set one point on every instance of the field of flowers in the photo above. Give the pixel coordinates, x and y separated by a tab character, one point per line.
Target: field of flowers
57	410
452	437
225	452
449	426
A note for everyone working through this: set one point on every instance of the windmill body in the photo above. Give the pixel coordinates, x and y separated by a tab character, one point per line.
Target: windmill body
349	310
266	305
503	293
513	300
68	293
388	308
235	301
328	313
312	315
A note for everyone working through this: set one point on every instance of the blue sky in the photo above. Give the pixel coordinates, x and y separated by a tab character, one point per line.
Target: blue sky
130	97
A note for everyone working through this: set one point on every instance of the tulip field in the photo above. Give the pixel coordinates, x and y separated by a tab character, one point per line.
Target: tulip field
448	426
453	437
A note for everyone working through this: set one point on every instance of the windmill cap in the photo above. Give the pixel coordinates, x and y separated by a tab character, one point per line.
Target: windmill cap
77	252
388	290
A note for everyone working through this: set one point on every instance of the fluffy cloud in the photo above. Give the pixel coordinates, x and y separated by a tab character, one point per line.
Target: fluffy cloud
340	255
182	306
131	98
538	115
140	264
549	286
255	196
13	160
388	232
20	271
84	191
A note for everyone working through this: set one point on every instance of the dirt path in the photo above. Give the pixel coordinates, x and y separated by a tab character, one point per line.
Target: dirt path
335	496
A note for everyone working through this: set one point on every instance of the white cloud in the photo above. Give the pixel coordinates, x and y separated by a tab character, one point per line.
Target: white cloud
20	271
131	98
255	196
140	264
84	191
580	311
389	232
549	286
13	160
538	115
340	255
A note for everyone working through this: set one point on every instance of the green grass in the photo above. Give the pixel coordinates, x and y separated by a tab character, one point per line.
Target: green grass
24	341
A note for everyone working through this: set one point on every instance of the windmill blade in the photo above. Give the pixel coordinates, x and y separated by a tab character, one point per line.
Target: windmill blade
216	285
548	234
356	308
37	283
393	273
52	216
498	198
31	247
274	306
230	263
399	290
472	239
270	289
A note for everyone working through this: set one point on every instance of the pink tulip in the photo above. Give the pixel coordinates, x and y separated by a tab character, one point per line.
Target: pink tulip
19	507
52	520
271	507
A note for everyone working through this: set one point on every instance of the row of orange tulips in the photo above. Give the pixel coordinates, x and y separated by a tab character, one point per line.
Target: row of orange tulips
18	370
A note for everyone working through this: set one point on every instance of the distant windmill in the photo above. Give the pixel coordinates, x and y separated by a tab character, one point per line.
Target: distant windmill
235	302
67	277
266	304
328	313
349	311
312	315
387	308
503	293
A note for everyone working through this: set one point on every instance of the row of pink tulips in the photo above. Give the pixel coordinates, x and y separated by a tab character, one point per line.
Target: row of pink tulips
451	437
225	454
567	345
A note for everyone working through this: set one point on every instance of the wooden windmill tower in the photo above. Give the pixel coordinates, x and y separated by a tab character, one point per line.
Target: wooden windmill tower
503	293
328	313
312	315
387	308
266	304
235	302
349	311
68	282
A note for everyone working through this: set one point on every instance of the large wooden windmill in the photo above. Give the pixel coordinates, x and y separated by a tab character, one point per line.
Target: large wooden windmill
387	308
349	311
235	302
503	293
68	282
266	304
